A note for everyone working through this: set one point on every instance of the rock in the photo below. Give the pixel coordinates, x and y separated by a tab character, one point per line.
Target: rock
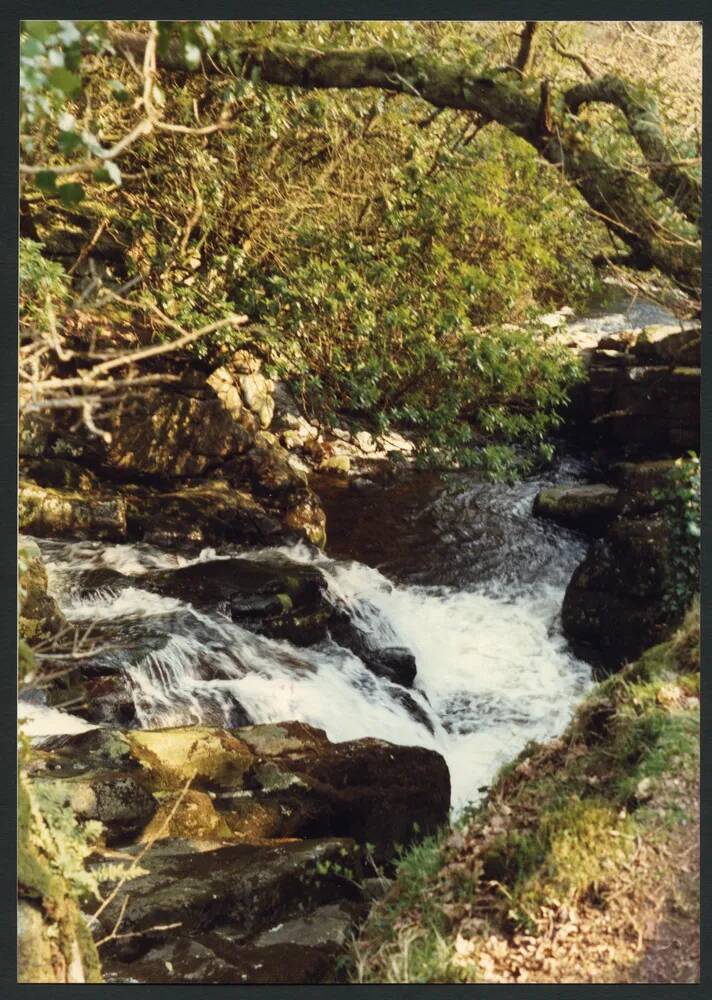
271	469
107	700
35	955
669	344
245	363
40	616
587	508
213	758
55	513
365	442
374	790
291	439
34	433
396	663
118	801
61	473
263	781
199	512
335	463
644	410
613	607
191	815
306	519
272	913
638	483
173	434
279	598
256	394
222	381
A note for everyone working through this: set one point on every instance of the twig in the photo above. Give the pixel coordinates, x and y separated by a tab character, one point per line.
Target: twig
125	876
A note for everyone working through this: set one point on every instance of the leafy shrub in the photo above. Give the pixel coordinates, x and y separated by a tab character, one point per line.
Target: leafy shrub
44	285
682	512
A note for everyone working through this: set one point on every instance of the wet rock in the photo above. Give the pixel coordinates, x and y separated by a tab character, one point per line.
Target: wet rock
241	888
613	607
279	598
59	513
107	700
396	663
587	508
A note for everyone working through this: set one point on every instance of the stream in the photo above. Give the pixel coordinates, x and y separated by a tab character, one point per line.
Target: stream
456	569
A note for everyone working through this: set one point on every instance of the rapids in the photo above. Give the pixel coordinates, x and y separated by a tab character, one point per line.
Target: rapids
456	569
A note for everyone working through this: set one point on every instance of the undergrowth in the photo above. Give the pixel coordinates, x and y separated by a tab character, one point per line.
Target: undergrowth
559	826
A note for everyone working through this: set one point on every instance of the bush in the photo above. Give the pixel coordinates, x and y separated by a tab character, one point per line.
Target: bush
682	512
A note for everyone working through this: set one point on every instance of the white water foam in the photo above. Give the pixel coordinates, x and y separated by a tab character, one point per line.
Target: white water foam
493	669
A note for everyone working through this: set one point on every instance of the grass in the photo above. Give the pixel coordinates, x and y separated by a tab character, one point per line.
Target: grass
561	831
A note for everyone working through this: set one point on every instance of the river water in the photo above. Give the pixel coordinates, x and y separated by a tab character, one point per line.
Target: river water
456	569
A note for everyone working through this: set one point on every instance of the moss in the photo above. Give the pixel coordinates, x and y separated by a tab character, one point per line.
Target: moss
559	822
60	925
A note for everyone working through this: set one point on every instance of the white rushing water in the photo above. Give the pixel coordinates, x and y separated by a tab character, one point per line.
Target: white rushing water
493	668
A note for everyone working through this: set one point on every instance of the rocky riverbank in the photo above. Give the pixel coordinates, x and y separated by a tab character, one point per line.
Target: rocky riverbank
256	850
638	411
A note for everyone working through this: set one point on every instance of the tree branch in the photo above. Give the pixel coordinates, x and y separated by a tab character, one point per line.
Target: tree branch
608	189
641	114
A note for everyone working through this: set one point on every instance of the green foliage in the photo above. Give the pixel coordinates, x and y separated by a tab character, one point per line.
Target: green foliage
50	76
558	823
369	248
63	841
44	285
682	512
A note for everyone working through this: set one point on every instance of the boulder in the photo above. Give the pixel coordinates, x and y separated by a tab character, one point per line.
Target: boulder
198	512
587	507
279	598
613	607
226	899
263	781
670	344
60	513
173	434
638	483
644	410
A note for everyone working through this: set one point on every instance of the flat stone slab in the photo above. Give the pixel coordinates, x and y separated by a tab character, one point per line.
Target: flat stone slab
586	507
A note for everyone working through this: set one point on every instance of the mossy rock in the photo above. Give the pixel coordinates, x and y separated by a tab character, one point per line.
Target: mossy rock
194	817
58	513
211	758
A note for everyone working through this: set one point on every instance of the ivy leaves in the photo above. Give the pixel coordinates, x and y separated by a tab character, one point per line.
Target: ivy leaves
680	496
